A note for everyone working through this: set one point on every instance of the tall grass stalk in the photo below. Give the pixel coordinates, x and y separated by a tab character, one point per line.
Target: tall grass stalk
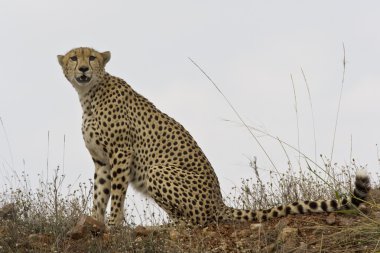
339	102
236	113
312	113
297	120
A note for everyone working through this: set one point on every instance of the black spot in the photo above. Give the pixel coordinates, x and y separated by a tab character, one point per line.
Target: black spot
324	206
106	191
102	181
334	204
288	210
300	209
313	205
275	214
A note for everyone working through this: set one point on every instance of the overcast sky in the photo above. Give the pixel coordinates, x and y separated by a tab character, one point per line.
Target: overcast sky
249	48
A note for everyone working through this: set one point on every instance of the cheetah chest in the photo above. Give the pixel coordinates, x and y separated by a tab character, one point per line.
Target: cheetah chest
94	142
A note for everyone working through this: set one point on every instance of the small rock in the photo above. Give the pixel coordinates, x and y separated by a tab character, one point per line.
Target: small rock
243	244
244	233
85	225
287	233
364	208
345	221
174	235
270	248
256	226
205	230
209	233
224	246
8	211
212	234
141	231
106	237
39	241
39	237
302	248
282	223
289	238
376	215
331	219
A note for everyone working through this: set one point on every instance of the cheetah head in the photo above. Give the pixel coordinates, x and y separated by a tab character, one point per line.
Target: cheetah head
83	66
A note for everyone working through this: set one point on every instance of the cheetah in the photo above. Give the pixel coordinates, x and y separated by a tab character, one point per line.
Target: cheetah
131	142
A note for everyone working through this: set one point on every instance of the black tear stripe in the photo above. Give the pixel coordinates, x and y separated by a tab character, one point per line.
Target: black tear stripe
98	162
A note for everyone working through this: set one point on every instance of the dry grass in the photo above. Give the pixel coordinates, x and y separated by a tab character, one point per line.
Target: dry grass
47	214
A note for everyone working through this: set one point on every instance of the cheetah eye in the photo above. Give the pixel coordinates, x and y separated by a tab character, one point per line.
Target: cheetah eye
92	58
74	58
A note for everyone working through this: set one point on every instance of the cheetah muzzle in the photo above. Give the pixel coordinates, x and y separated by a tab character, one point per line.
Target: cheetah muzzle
133	143
83	79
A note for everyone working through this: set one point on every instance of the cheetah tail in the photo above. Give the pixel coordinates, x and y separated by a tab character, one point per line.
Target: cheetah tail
362	187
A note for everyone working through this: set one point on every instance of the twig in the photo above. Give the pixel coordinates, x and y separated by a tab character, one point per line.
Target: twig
312	113
289	146
63	155
8	143
236	112
47	157
297	120
340	98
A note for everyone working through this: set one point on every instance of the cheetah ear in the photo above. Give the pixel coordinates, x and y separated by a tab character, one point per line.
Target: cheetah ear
106	57
60	59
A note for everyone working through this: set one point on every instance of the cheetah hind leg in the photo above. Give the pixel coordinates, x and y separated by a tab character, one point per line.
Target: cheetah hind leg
183	194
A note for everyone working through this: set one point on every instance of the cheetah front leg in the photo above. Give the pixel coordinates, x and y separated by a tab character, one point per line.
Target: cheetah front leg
120	176
102	186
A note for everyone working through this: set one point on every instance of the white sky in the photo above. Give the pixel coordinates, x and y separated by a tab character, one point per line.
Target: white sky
249	48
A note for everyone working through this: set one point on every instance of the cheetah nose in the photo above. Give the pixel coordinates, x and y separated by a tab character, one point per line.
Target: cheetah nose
83	69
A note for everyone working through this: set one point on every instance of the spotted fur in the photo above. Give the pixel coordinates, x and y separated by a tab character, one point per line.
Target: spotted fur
132	142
